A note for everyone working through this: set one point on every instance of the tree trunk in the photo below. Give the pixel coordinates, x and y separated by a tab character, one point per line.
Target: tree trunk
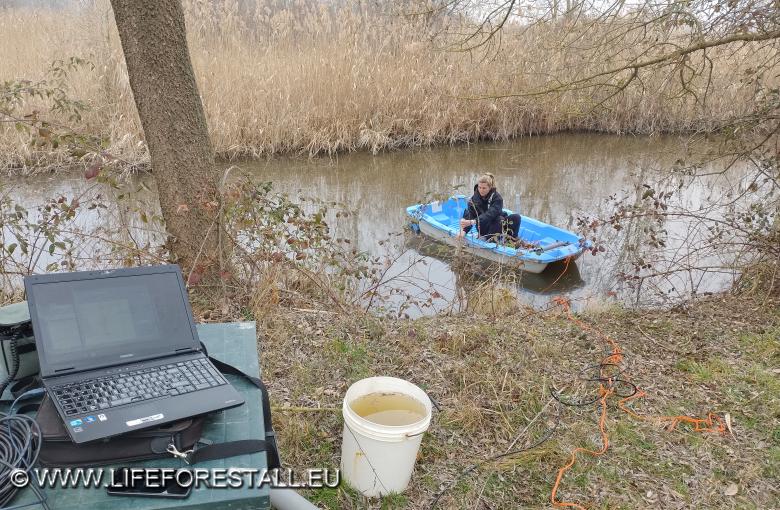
154	41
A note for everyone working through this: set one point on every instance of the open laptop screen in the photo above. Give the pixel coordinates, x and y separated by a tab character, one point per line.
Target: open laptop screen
93	322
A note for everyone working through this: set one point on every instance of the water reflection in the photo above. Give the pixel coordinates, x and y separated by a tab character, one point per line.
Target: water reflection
107	230
555	179
558	278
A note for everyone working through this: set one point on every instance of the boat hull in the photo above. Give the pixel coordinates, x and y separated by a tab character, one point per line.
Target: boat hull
542	244
461	244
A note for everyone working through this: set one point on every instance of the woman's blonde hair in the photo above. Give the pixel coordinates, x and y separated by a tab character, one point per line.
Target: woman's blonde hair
488	179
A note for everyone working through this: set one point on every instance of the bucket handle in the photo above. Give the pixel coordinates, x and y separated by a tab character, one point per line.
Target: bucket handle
413	435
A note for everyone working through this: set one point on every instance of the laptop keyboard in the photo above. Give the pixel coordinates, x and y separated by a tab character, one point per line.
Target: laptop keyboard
132	387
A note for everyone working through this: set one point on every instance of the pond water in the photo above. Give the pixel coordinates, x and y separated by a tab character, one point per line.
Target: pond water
555	179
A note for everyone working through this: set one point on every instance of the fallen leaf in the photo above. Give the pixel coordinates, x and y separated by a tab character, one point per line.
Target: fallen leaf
93	170
728	423
182	208
731	490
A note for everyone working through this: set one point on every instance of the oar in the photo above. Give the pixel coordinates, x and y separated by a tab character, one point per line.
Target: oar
557	244
459	216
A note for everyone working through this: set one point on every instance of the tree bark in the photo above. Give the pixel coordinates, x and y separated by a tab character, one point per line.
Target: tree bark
154	41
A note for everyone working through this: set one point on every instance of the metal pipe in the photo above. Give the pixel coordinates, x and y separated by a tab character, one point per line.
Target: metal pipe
288	499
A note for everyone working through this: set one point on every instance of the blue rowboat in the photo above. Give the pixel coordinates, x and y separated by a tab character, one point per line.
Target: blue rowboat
543	244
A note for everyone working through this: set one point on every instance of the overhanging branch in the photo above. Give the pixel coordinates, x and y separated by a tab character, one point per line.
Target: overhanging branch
636	66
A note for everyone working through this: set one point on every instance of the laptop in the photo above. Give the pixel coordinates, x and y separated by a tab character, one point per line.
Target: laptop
119	350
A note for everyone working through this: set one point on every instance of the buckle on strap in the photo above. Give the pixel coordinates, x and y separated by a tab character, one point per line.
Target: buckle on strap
185	455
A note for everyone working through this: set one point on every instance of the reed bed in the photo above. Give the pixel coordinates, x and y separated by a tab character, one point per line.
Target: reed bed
317	79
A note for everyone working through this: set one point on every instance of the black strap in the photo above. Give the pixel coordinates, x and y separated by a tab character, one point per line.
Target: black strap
274	461
224	450
226	368
22	386
25	384
210	452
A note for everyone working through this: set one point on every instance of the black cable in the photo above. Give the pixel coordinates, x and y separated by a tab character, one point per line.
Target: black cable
546	437
12	340
20	445
610	381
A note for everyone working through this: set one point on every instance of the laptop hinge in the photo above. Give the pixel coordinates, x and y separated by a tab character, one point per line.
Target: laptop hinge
73	370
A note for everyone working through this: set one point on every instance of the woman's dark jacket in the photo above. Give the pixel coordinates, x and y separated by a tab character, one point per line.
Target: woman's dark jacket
487	211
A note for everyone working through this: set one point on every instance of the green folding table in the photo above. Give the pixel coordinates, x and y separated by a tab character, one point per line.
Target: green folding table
234	343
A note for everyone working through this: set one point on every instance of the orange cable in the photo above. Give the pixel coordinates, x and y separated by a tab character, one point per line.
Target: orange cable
566	268
712	423
605	445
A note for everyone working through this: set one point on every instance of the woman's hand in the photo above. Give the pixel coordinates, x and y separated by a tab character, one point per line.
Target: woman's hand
467	223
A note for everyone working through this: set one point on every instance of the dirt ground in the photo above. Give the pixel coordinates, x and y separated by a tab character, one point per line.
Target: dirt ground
492	378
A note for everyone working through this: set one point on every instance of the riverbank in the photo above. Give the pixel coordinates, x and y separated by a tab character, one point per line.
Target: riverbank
491	377
307	81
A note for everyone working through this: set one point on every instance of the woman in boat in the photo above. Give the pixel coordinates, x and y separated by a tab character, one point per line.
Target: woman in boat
485	210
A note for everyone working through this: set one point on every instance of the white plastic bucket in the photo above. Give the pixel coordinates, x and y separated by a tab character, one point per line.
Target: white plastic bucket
379	459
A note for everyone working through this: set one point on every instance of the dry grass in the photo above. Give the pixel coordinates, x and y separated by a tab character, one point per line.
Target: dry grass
491	378
311	79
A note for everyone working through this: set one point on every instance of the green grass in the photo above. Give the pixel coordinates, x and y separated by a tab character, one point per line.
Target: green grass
609	505
763	379
492	377
394	501
763	347
247	314
625	432
714	369
351	355
579	480
608	471
772	467
681	487
327	497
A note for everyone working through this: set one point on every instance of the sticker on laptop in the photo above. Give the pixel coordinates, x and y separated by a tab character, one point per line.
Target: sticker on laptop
75	423
145	419
102	417
78	429
89	419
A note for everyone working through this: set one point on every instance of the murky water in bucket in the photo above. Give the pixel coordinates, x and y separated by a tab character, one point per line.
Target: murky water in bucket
393	409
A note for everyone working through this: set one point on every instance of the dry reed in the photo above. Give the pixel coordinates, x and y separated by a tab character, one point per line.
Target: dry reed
313	79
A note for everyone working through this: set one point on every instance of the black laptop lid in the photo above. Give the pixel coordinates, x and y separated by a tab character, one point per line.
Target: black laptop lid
93	319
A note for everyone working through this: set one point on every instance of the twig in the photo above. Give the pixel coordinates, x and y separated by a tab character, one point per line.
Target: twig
656	342
311	310
635	66
522	432
306	409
